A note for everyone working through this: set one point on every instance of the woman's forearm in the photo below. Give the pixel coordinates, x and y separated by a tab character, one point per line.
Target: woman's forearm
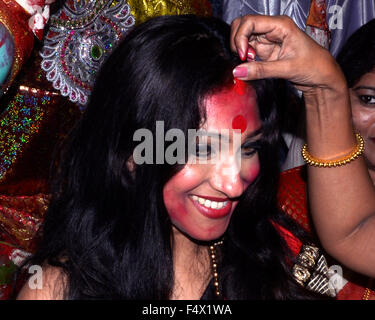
342	199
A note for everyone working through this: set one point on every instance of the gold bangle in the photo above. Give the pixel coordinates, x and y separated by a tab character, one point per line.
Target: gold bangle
358	150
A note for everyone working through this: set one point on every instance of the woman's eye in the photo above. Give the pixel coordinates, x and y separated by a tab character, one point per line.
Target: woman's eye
367	99
203	151
248	151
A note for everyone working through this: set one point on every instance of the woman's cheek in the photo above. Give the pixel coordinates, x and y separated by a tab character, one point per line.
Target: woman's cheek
361	119
172	201
176	190
250	170
177	210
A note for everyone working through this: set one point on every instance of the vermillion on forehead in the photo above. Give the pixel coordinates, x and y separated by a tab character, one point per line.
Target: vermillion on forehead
232	108
239	86
240	123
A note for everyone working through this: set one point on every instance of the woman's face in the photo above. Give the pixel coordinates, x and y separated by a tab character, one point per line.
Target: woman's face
200	199
362	97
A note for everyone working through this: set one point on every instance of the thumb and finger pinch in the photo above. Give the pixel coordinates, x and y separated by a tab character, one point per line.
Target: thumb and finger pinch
284	51
247	28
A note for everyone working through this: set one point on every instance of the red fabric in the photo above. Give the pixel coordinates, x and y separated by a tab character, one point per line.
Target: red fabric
318	15
293	242
20	218
352	291
292	200
291	196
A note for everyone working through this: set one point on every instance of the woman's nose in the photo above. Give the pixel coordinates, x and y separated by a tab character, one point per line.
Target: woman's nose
226	178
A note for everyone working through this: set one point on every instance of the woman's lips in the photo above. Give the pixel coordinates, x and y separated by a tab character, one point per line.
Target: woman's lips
221	207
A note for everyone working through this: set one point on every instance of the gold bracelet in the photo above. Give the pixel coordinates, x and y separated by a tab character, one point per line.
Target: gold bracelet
358	150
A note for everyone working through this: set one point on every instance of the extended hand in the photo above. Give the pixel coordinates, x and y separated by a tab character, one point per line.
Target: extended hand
284	51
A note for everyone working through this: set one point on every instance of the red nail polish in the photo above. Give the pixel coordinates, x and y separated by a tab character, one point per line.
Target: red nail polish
241	54
251	55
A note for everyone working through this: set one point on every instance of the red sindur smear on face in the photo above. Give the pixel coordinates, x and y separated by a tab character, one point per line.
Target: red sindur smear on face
225	109
239	122
239	87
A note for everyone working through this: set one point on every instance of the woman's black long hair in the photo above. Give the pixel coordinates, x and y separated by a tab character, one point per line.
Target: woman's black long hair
107	226
357	56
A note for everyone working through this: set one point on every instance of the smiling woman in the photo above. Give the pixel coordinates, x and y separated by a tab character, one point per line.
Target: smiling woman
119	229
201	198
357	59
363	108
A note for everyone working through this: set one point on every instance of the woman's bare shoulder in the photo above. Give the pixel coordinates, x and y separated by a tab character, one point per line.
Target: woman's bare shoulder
50	286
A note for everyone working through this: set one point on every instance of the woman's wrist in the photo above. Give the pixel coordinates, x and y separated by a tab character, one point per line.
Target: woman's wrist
330	133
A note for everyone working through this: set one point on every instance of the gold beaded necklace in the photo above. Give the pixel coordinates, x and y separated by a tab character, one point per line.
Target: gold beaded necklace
214	266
